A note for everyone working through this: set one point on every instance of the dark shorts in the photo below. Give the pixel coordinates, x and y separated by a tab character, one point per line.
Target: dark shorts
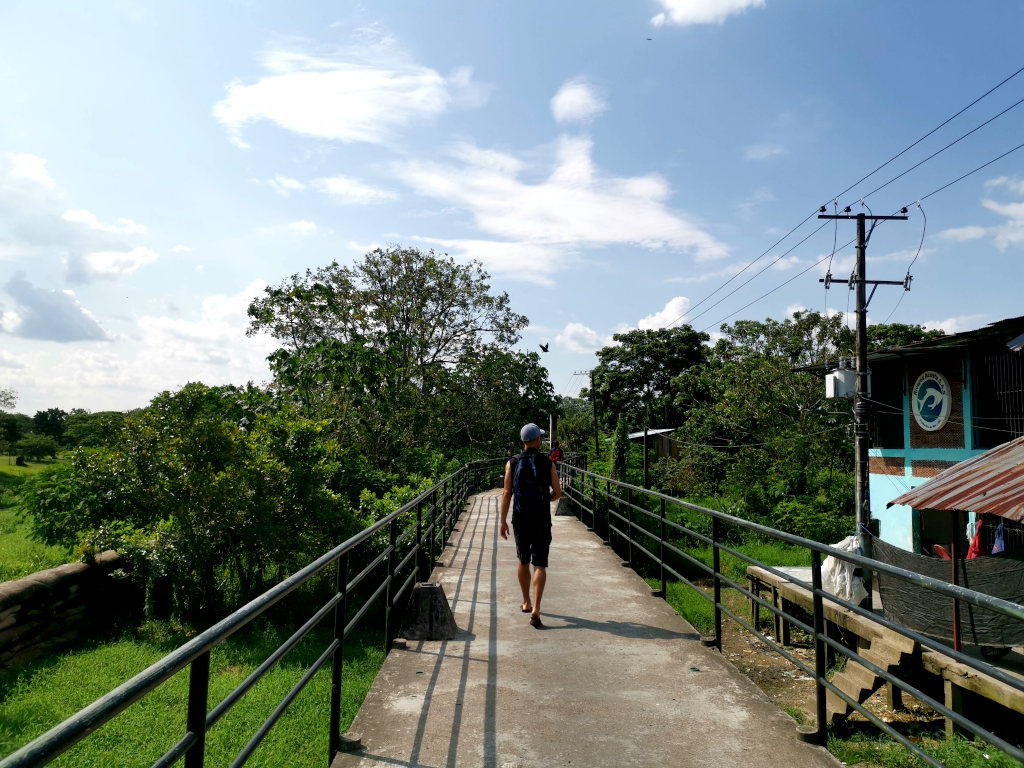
533	540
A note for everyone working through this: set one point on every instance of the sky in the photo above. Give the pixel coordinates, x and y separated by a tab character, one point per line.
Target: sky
613	166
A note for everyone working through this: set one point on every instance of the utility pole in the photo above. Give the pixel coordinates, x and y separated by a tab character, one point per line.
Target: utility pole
861	425
593	401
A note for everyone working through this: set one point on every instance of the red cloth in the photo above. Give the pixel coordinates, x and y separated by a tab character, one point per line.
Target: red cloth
977	549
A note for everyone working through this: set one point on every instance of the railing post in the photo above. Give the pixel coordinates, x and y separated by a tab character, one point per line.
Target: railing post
433	526
819	648
341	585
661	553
608	511
717	565
420	559
198	695
390	592
629	525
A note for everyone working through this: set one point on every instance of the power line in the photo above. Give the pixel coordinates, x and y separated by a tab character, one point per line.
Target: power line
933	130
781	285
835	198
763	270
940	151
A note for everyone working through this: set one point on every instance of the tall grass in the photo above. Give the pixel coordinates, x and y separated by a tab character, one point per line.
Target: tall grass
21	555
52	690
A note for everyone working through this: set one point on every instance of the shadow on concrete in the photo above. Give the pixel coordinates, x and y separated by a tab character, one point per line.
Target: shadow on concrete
477	534
618	628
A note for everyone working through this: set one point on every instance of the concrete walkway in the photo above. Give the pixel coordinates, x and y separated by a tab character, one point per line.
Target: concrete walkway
615	678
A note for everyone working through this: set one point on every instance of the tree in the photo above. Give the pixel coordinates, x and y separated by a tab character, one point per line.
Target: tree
196	503
635	377
50	422
8	399
37	446
377	346
14	426
92	430
753	433
882	336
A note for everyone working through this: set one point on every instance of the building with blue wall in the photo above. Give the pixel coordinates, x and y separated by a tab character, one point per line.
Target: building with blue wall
933	404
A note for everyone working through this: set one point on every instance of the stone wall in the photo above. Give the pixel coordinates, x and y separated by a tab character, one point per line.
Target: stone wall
53	609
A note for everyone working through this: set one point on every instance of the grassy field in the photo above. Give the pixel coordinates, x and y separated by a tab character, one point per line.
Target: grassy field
50	691
19	554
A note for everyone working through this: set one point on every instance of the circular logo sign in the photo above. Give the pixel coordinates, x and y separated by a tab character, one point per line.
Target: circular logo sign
931	401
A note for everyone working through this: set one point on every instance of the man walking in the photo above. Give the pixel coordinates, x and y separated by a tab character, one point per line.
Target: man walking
531	480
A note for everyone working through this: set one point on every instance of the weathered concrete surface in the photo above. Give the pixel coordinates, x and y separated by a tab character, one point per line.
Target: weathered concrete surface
616	677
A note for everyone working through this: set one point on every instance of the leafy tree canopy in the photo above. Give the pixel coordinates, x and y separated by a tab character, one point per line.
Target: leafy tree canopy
636	377
882	336
50	422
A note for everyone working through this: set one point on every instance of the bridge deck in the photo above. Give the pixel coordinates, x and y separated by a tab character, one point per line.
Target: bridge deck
615	677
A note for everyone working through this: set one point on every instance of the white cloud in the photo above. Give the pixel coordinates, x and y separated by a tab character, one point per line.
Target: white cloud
577	102
1008	234
302	227
764	151
7	360
574	207
181	248
1011	232
284	186
48	315
353	96
89	221
507	260
1014	185
31	168
673	314
685	12
117	263
760	196
955	324
580	339
343	189
212	348
963	234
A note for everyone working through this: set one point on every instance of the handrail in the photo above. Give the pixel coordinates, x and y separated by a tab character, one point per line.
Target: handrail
610	508
446	500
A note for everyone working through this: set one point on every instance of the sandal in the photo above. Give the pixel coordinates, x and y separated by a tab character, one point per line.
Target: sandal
536	622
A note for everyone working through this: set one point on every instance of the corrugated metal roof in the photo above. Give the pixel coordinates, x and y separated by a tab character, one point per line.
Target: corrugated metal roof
650	432
992	483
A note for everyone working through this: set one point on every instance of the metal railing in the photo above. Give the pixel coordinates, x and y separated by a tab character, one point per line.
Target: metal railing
407	557
645	529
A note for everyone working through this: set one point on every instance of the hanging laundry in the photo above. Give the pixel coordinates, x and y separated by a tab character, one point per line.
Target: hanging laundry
998	545
977	548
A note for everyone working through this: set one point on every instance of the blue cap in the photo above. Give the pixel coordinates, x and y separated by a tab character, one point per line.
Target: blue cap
530	432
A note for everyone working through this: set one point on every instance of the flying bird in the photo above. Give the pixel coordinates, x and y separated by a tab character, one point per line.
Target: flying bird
544	347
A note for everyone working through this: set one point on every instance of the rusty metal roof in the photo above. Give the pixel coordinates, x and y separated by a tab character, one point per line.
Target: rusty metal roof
991	482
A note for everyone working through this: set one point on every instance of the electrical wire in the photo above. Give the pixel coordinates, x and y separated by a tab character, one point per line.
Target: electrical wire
907	278
828	269
781	285
921	199
762	271
864	178
933	130
940	151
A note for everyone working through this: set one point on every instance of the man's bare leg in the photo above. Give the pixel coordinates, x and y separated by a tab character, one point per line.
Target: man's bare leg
540	577
524	584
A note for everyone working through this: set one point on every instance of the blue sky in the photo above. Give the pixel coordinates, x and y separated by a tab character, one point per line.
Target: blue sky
612	165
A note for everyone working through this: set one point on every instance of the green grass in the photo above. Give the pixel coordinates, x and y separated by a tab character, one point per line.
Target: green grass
20	555
52	690
879	750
